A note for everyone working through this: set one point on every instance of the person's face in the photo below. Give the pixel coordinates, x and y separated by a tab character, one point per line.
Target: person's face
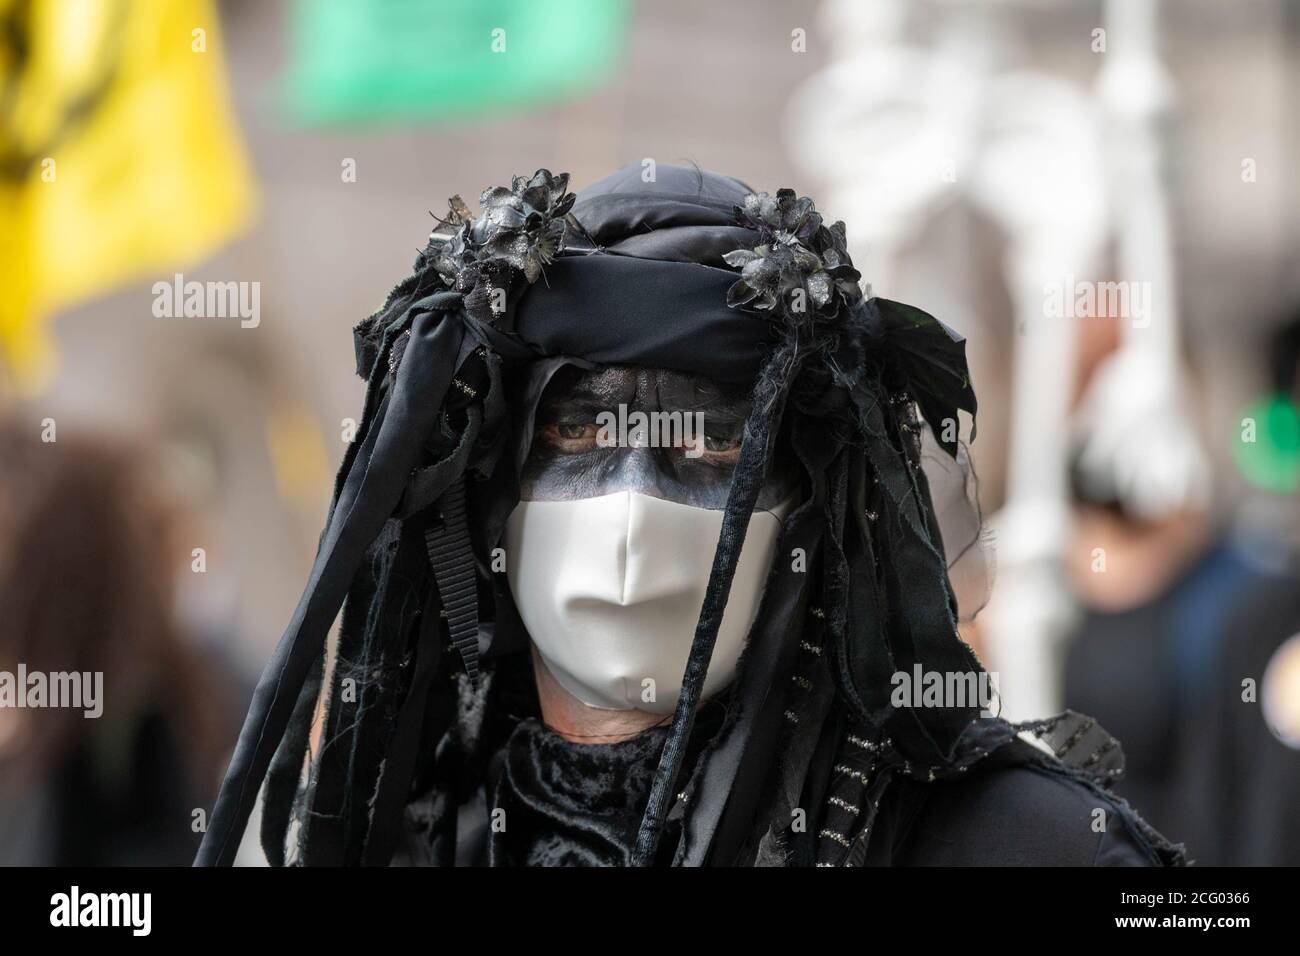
571	457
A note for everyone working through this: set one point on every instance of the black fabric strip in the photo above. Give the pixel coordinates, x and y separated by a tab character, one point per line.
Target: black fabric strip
813	444
686	244
768	653
746	483
286	768
373	487
615	310
403	749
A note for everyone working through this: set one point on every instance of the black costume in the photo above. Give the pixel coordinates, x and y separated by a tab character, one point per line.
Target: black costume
804	760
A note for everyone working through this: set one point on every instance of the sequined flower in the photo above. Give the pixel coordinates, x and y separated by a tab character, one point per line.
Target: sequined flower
799	263
520	230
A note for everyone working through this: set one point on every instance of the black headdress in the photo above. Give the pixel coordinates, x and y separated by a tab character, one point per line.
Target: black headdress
690	271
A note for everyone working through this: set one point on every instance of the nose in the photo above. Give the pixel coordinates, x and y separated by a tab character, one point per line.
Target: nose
640	469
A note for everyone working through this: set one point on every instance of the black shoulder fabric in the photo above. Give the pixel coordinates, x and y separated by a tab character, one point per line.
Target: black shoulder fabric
1019	816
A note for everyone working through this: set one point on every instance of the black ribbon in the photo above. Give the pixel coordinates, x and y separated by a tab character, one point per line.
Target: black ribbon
376	478
931	357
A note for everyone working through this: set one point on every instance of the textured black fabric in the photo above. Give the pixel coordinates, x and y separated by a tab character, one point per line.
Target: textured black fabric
576	804
566	804
1014	816
690	216
618	311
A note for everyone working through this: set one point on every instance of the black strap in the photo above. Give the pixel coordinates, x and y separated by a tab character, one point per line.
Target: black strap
746	482
452	560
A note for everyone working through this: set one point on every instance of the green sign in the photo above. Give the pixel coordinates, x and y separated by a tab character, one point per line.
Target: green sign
403	59
1268	449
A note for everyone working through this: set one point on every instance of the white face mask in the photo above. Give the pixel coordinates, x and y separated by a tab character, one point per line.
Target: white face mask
610	590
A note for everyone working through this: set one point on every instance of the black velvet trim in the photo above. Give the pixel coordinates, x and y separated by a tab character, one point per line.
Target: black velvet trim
558	803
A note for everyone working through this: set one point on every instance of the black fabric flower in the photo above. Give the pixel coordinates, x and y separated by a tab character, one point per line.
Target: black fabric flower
519	231
800	266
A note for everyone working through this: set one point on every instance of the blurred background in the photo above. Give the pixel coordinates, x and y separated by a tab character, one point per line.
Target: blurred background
1095	193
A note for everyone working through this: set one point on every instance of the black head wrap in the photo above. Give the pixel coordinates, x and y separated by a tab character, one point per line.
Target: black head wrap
684	270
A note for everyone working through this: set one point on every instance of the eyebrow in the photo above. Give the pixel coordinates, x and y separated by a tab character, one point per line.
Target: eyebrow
567	405
600	389
587	389
718	404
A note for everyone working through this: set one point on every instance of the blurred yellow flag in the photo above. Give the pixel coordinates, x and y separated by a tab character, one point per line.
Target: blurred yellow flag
119	156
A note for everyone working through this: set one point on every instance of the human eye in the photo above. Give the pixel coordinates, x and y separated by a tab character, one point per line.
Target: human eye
570	437
714	449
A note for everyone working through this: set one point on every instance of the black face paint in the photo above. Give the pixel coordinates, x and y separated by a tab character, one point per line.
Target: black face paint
571	456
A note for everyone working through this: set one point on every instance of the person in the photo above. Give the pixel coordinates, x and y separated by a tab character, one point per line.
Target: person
87	592
1152	575
1240	766
577	629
